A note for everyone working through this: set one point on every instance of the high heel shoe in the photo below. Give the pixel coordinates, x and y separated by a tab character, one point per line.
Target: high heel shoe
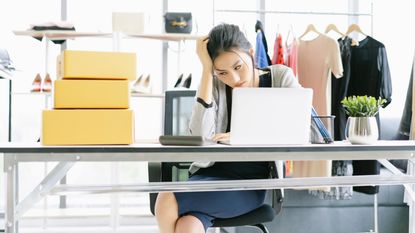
36	84
179	81
136	85
187	82
146	87
47	84
142	86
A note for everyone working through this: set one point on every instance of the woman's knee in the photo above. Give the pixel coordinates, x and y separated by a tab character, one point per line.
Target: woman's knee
189	223
166	203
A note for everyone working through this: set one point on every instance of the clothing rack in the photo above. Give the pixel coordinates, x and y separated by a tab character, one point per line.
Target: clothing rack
261	12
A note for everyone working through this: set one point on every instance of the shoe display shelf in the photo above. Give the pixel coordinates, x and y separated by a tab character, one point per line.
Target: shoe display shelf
50	35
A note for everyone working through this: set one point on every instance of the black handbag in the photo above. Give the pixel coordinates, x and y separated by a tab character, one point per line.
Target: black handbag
178	22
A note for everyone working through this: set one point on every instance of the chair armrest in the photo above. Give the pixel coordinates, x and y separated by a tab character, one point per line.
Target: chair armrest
277	200
154	175
154	172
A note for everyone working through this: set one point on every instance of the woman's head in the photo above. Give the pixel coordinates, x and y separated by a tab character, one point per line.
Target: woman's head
232	55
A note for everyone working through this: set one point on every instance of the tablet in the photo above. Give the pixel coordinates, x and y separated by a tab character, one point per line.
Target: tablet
184	140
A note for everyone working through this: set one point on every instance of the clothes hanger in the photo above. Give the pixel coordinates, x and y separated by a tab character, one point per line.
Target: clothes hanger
355	28
310	28
333	27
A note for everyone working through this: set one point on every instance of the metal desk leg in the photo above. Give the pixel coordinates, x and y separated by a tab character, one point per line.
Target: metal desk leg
409	188
10	170
43	188
411	201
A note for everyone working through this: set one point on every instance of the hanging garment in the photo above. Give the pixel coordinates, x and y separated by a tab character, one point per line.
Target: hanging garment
290	54
369	75
278	57
317	59
263	59
405	124
339	168
339	90
260	54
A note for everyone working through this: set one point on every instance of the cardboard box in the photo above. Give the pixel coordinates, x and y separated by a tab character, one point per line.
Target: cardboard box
128	22
87	127
72	93
73	64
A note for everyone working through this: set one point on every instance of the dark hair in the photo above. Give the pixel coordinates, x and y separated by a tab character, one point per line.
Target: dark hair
225	37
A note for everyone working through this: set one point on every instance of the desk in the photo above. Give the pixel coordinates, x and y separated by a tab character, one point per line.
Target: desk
67	156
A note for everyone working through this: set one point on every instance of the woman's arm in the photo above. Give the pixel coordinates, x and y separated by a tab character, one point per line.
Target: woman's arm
203	119
205	88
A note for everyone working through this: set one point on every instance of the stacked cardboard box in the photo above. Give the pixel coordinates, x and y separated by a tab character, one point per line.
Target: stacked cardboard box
91	100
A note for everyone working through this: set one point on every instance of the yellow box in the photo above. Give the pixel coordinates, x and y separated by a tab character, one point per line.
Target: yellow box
96	65
87	127
75	93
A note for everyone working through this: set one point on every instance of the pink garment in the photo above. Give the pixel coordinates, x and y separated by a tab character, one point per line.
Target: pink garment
291	55
316	59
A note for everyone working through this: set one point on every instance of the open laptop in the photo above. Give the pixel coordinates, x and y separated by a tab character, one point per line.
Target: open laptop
271	116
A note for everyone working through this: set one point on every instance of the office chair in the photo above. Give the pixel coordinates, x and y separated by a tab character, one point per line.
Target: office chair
178	107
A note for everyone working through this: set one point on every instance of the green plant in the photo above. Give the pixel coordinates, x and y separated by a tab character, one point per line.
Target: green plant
362	106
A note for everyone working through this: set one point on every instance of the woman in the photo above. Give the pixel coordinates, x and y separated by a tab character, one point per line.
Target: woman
227	59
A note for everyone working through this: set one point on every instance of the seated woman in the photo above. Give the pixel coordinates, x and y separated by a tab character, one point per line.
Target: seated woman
227	58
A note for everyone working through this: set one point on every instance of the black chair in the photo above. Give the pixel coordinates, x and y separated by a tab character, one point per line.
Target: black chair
178	106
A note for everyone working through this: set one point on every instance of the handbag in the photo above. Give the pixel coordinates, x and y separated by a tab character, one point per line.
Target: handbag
178	22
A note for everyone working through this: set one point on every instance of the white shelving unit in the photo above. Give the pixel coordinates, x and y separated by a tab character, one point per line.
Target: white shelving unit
49	35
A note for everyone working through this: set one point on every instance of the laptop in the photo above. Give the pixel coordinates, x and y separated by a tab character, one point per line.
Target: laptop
271	116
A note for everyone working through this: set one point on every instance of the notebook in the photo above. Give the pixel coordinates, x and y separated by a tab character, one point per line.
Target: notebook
271	116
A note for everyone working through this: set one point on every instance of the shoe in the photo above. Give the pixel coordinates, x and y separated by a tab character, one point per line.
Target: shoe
136	85
143	86
47	84
146	86
36	84
179	81
187	82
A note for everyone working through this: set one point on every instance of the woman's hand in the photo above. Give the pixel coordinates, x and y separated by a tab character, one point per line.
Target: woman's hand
221	137
202	52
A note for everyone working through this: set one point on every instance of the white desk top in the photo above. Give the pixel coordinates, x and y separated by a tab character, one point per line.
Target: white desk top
156	152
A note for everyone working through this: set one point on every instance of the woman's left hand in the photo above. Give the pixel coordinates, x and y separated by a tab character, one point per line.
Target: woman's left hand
221	137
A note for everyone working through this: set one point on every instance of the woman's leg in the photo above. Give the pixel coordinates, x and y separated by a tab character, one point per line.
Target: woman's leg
189	224
166	211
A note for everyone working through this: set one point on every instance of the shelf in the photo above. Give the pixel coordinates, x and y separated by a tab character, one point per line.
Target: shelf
165	36
63	34
32	93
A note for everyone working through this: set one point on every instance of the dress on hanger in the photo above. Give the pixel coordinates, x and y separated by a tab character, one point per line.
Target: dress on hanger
369	75
317	59
278	56
261	52
291	52
339	90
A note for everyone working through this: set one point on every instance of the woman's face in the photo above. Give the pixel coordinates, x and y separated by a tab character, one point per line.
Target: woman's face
234	68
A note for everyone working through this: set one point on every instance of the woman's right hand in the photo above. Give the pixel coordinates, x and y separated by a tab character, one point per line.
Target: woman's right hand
202	52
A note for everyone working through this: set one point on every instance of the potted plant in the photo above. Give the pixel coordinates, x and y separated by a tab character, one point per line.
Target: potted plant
361	127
